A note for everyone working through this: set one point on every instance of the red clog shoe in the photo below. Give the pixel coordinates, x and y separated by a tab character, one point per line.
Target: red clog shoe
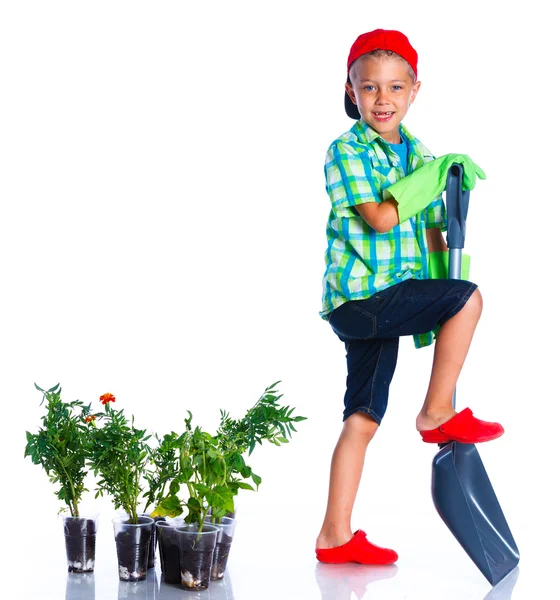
464	428
357	550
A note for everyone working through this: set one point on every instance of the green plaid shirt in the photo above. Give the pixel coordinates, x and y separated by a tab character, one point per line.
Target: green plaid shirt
359	260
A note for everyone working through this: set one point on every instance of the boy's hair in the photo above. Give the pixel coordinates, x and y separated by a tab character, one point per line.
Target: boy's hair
381	53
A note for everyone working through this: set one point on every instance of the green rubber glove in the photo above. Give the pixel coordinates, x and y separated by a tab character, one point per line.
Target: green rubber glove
438	264
439	269
419	189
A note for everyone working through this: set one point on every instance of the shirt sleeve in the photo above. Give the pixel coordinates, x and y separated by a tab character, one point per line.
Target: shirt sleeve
422	340
436	215
350	178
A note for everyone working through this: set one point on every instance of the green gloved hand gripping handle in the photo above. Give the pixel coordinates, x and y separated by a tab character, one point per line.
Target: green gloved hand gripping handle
419	189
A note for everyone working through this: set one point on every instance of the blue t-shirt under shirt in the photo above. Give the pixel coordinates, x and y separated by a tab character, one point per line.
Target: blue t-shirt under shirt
402	152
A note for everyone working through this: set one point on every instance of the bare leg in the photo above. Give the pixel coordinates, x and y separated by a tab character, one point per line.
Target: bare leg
346	470
452	345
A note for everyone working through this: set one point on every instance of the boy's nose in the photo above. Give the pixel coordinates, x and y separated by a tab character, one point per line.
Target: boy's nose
382	98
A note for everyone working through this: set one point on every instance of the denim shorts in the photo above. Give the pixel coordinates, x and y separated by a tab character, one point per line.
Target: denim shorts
370	330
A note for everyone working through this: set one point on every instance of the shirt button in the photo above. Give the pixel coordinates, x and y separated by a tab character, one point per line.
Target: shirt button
395	163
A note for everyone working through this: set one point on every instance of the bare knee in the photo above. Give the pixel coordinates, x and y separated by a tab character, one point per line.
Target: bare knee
361	426
474	304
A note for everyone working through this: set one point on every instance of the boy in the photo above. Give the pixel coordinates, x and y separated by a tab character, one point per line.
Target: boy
387	214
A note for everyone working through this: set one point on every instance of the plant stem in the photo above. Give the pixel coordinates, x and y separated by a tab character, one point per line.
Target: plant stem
224	481
69	480
136	485
203	460
201	524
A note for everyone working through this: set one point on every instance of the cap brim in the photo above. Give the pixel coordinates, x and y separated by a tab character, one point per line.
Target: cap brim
351	109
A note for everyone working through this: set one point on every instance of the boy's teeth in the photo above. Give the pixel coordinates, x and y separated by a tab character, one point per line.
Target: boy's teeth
384	113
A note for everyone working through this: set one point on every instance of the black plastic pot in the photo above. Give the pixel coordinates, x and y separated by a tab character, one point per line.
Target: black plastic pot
196	552
133	544
79	537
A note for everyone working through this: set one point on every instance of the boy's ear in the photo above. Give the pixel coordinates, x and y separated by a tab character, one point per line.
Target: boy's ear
415	89
350	92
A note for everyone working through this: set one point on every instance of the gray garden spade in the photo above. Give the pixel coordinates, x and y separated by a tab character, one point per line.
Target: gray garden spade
461	490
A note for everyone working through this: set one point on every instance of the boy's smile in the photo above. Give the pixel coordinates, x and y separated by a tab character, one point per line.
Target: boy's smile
383	117
383	89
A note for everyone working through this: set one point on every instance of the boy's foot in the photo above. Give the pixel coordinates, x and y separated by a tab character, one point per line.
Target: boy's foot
358	550
465	428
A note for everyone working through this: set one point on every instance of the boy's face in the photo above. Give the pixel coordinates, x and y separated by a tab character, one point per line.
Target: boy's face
383	90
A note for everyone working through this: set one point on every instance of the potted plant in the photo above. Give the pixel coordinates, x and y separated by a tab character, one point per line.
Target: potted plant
200	468
118	456
213	469
61	447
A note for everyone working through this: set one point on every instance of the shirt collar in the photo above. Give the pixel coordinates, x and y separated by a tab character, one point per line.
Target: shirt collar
368	135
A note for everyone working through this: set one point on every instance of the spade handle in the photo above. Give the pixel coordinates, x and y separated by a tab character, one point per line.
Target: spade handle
457	205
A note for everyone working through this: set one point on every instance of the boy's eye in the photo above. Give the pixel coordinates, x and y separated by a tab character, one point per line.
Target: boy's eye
369	88
398	88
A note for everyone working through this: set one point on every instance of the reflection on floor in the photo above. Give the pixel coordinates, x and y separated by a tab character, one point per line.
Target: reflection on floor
82	587
349	581
339	582
335	582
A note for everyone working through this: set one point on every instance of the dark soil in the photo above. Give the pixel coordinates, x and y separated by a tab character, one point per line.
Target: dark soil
170	563
132	554
169	559
80	548
195	568
221	554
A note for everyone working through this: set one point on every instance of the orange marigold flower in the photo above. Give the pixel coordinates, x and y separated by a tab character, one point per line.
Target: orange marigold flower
106	398
89	418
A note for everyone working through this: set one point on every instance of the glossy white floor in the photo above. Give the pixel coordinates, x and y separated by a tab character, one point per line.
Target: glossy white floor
274	560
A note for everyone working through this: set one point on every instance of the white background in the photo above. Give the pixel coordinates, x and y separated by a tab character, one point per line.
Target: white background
163	233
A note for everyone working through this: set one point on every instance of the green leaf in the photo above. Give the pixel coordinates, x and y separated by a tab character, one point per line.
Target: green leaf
238	463
193	503
195	511
168	507
244	486
221	497
246	471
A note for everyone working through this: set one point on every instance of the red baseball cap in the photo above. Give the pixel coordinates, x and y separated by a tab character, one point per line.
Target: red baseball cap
379	39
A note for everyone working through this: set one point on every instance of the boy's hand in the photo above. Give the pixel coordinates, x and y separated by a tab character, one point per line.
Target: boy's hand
470	169
416	191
